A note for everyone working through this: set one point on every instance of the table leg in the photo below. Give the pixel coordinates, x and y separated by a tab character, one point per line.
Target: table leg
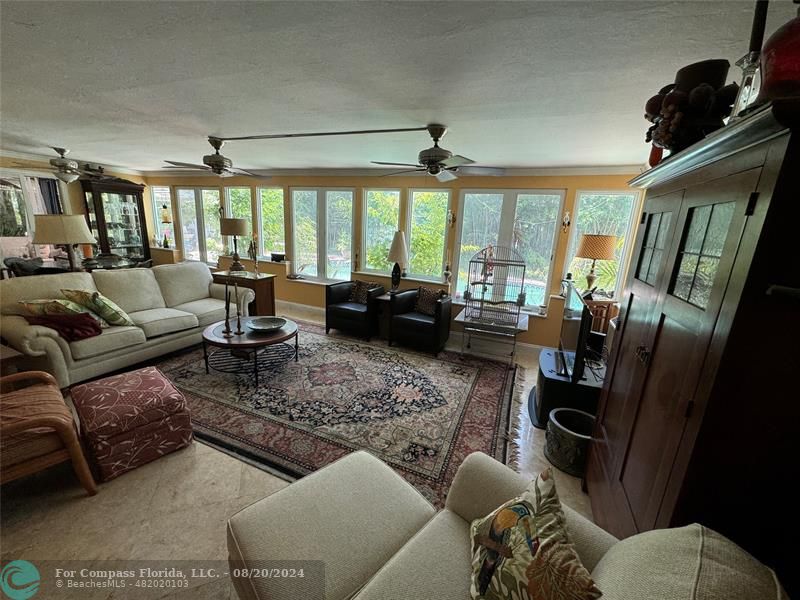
296	347
255	364
205	355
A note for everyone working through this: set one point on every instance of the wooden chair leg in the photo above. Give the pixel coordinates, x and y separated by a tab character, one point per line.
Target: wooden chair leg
79	464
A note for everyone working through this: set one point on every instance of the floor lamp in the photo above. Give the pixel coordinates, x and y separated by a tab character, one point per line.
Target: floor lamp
67	230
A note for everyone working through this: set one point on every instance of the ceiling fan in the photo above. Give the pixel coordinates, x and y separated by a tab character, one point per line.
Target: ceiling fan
66	169
216	163
223	166
441	163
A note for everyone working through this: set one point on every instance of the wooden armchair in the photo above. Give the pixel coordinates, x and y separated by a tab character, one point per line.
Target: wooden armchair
37	429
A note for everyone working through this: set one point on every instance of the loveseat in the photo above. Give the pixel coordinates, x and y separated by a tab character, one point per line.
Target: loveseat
170	306
360	531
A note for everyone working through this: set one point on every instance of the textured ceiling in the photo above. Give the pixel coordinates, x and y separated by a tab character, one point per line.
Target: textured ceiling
520	84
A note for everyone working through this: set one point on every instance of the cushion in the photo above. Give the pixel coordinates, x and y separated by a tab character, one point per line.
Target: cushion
414	319
52	307
353	515
207	310
131	289
183	282
427	299
435	563
111	339
99	304
683	562
521	550
70	327
360	291
42	286
348	310
160	321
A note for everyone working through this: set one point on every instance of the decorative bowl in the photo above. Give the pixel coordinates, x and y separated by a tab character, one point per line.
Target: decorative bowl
266	324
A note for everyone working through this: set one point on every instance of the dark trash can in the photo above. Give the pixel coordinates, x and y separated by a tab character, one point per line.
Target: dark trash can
567	439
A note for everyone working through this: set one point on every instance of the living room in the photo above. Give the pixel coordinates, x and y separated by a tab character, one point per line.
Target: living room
272	276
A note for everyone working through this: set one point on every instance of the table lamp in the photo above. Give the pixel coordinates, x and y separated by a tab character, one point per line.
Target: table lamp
67	230
398	254
166	219
596	247
234	227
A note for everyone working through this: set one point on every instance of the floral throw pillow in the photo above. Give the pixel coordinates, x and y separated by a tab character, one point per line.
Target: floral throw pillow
427	299
521	551
53	307
96	302
360	291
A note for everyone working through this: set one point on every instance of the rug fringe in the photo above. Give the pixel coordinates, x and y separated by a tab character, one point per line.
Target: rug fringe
515	423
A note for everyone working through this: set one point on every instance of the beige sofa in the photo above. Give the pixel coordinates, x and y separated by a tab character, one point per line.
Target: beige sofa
169	304
376	538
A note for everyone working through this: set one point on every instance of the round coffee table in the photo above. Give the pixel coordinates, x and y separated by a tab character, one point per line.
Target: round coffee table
259	349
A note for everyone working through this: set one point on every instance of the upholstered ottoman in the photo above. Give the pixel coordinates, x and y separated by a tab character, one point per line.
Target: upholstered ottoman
131	419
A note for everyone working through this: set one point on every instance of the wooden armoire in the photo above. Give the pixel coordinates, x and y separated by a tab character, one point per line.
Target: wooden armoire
699	416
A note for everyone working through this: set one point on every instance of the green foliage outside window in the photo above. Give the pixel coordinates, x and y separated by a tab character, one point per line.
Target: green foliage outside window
304	203
428	230
382	218
272	229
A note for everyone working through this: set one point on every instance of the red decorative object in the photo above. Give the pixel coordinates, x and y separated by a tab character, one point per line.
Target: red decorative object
131	419
780	63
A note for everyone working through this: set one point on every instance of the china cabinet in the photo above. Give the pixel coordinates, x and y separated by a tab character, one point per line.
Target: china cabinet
115	212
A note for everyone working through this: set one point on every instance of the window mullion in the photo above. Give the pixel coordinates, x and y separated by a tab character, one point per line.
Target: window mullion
322	233
508	214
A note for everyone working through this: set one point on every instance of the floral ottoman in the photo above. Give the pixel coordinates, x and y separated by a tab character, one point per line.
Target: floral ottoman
131	419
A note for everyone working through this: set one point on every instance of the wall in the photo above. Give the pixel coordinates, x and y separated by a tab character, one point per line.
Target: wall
543	331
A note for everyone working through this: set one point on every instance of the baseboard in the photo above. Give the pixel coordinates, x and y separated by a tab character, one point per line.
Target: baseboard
315	312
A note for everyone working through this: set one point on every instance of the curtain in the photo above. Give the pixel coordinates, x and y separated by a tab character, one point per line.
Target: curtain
49	190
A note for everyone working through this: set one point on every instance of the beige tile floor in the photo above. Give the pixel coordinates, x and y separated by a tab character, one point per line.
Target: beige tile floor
176	507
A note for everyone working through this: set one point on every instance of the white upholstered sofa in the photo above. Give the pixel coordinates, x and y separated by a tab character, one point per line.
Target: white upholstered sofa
376	538
169	304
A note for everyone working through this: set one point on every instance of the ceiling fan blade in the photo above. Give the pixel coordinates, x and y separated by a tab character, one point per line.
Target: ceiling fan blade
239	171
393	164
476	170
186	165
273	136
401	172
445	175
456	161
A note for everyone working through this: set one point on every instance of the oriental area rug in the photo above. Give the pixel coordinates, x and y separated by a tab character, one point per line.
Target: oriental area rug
421	415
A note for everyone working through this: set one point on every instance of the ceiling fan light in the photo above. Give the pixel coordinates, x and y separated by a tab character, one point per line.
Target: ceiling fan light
66	176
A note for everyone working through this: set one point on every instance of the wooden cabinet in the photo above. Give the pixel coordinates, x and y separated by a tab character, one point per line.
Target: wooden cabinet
263	284
698	410
115	213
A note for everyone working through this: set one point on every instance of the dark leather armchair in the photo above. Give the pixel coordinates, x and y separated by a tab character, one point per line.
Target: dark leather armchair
357	318
416	329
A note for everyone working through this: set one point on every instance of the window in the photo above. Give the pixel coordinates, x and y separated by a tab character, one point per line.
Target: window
271	230
200	223
427	231
326	216
604	213
381	220
525	220
13	213
239	203
161	200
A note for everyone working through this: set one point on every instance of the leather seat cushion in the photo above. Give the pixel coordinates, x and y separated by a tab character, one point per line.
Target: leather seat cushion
414	319
353	311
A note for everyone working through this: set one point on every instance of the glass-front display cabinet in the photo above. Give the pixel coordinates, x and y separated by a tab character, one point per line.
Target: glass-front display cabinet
115	212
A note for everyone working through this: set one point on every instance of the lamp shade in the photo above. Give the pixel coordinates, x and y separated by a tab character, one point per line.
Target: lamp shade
62	229
398	253
166	215
597	247
233	227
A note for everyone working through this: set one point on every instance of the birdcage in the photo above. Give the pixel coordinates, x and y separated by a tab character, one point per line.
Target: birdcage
495	290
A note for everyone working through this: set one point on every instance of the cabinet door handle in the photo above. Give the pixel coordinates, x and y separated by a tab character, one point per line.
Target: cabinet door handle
643	354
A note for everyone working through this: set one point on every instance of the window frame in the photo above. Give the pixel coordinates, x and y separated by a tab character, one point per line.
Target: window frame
505	232
200	218
409	221
156	213
63	195
630	232
322	228
364	191
259	218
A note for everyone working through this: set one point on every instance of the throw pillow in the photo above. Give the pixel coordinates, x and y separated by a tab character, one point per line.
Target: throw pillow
71	327
427	299
52	307
521	550
95	301
359	292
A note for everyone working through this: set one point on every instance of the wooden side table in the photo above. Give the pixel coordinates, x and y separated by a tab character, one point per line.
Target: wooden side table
602	312
262	284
